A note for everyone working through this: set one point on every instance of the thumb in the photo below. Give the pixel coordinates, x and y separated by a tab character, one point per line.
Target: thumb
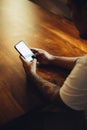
34	62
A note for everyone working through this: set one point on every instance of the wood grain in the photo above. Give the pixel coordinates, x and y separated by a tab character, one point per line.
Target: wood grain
23	20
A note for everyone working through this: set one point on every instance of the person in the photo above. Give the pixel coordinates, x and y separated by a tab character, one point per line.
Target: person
73	93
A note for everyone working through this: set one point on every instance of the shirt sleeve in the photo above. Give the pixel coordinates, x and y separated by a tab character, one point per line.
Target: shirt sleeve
74	90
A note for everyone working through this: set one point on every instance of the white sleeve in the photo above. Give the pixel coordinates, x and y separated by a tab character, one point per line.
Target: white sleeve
74	90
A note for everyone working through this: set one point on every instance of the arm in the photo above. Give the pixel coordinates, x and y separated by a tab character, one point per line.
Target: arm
50	90
44	58
64	62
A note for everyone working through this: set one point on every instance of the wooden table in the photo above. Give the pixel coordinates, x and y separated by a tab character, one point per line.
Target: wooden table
23	20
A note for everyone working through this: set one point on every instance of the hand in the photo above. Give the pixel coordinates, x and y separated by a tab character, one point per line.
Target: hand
43	57
29	67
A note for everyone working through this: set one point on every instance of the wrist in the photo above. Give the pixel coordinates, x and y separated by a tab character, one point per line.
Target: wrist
52	59
32	74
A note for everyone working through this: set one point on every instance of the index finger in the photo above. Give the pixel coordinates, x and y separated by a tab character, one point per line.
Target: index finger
35	50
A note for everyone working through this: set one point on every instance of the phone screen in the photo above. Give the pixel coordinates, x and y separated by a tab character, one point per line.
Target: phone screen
22	48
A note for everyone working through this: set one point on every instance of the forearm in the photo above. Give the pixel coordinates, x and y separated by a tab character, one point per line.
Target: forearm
65	62
49	90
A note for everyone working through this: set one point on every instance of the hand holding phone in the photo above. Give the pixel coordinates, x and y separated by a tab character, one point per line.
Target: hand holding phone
24	51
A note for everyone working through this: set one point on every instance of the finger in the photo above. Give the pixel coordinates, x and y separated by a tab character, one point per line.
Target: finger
35	50
21	58
38	63
34	61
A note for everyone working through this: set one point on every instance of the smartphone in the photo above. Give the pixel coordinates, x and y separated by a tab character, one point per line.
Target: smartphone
24	51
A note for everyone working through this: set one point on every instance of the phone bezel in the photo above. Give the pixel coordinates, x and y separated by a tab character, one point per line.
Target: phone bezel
20	52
